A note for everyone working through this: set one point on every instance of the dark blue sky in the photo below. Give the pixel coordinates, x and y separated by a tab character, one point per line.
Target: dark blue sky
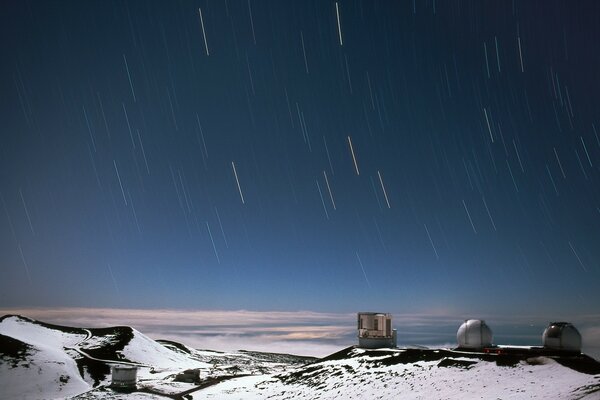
121	127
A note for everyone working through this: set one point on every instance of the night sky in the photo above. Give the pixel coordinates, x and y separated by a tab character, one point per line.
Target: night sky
414	156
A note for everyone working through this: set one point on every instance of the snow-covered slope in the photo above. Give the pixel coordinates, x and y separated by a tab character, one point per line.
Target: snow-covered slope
35	370
42	361
34	361
422	374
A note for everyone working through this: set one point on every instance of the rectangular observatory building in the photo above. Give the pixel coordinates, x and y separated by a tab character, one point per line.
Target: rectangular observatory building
375	330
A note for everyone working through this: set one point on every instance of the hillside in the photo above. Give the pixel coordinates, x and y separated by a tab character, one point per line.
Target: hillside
423	374
43	361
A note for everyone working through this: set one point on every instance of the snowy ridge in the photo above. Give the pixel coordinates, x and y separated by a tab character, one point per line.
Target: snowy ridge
42	361
422	374
56	361
34	362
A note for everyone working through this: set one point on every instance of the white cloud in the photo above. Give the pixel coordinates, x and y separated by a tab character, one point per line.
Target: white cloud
299	332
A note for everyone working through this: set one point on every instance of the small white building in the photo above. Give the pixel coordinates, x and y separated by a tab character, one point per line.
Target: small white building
474	334
124	377
562	336
375	330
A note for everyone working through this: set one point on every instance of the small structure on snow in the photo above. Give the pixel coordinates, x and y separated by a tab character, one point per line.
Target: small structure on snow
188	376
375	330
562	336
124	377
474	334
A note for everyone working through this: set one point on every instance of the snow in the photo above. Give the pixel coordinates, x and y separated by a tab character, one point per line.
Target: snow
35	334
141	349
541	378
50	374
48	370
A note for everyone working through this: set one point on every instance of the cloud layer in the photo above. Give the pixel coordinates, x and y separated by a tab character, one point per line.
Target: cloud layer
298	332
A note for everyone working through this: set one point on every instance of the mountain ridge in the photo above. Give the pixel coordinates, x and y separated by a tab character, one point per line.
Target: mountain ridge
44	361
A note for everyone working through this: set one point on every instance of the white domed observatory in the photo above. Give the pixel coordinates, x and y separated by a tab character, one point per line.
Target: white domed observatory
562	336
474	334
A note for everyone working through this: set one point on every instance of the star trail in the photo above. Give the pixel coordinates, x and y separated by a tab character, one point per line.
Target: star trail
332	156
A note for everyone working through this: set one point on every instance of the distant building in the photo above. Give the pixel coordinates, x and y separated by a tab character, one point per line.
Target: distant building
188	376
474	334
375	330
124	377
562	336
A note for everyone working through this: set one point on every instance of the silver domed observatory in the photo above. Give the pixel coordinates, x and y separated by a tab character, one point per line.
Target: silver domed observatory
562	336
474	334
375	330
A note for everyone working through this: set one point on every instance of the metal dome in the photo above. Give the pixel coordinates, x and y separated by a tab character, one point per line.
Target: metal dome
474	334
562	336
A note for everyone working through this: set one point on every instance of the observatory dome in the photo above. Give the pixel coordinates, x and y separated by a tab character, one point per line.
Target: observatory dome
474	334
562	336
